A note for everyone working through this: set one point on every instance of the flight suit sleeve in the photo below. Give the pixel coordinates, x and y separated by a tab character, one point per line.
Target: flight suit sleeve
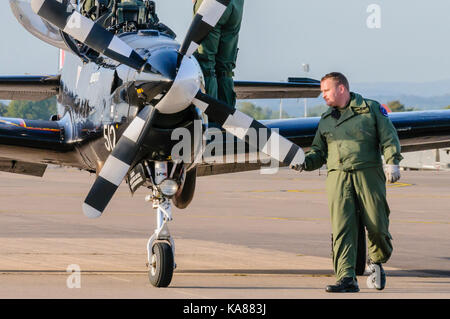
88	4
317	156
387	135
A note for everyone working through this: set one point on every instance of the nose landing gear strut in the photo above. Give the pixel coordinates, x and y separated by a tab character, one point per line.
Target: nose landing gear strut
161	246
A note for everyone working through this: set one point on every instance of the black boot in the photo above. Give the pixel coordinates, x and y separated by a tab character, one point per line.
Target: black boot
348	284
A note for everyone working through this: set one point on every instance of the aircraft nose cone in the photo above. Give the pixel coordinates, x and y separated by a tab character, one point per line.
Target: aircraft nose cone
184	88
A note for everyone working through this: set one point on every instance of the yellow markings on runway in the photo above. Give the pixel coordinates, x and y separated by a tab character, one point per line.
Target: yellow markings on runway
308	191
304	219
263	218
397	184
420	222
48	195
2	211
257	191
311	191
81	195
117	278
417	196
297	219
317	275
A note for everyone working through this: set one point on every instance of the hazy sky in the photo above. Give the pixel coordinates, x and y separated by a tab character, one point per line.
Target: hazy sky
411	43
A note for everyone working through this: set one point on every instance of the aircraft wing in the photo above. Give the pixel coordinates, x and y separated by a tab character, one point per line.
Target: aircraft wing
19	167
28	87
27	146
41	87
417	131
294	88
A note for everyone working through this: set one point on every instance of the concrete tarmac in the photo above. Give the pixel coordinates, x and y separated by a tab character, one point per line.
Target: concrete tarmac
245	235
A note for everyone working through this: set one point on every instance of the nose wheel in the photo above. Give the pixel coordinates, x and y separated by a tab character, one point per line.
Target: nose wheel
161	249
161	246
161	265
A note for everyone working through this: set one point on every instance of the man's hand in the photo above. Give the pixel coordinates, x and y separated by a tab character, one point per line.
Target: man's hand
392	173
298	167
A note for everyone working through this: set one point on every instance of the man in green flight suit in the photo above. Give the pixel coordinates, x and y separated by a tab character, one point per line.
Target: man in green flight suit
218	53
351	137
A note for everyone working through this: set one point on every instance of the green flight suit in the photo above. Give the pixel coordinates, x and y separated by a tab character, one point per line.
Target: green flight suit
218	53
352	146
88	4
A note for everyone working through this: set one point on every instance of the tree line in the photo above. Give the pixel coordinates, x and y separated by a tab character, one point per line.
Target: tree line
43	110
260	113
265	113
31	110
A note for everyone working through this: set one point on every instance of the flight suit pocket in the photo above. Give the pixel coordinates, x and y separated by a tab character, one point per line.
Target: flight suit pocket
367	133
363	128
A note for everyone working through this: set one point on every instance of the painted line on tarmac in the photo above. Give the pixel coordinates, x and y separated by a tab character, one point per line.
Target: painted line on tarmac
304	219
404	221
314	190
117	278
262	218
420	196
398	184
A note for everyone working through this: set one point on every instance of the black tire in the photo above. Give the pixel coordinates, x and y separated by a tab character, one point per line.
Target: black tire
161	267
184	196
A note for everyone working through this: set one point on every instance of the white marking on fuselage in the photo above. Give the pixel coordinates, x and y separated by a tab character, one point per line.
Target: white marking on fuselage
78	76
95	77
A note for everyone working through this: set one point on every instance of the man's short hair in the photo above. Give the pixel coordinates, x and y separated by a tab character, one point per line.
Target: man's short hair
338	77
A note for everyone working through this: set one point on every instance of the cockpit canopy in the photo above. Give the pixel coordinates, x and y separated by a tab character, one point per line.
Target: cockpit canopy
34	24
117	16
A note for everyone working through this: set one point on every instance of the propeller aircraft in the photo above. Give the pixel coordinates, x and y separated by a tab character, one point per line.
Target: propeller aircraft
127	87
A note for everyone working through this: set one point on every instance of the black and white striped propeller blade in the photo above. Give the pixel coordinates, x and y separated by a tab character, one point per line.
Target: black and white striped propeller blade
187	81
239	124
117	164
83	29
204	21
